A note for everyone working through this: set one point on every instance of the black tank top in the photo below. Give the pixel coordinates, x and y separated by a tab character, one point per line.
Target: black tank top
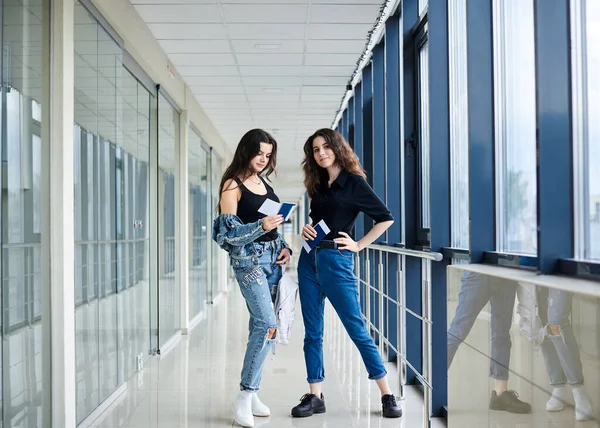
248	205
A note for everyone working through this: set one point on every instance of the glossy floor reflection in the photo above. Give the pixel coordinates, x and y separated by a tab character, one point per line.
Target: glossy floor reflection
194	385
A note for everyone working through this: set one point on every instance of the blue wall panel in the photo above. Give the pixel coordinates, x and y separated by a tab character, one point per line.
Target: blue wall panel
393	162
481	128
440	193
555	151
414	334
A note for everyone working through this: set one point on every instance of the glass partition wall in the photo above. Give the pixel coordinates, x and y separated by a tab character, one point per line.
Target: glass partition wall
169	306
199	223
215	253
24	238
112	135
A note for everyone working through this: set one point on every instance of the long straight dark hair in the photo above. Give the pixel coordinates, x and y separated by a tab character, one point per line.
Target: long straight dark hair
247	149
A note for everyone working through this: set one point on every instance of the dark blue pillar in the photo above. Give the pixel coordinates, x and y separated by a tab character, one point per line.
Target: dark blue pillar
554	142
412	269
439	174
481	128
367	146
393	162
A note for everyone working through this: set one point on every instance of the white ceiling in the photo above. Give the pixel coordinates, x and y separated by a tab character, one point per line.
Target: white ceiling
281	65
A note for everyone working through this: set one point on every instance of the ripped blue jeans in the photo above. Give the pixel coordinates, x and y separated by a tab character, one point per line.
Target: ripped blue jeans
256	283
561	351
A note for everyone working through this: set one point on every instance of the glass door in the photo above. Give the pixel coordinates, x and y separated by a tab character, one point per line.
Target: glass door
133	231
197	224
215	171
169	307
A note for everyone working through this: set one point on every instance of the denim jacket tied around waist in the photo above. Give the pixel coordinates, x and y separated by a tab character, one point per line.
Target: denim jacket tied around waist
238	238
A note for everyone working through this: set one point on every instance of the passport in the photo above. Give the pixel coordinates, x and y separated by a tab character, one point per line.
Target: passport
322	231
270	207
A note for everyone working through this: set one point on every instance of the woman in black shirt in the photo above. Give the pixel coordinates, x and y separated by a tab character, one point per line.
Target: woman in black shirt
335	182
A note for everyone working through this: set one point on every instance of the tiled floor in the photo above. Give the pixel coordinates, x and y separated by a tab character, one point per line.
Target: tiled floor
194	385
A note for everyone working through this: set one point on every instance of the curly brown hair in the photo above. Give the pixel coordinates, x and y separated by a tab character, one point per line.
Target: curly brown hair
345	158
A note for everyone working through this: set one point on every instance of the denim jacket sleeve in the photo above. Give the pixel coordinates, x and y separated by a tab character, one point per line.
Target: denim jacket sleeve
229	231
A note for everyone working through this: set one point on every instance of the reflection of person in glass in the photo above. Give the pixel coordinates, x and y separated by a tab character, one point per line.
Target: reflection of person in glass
475	292
561	352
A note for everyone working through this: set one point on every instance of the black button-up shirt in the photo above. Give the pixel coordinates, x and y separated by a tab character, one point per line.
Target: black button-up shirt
340	205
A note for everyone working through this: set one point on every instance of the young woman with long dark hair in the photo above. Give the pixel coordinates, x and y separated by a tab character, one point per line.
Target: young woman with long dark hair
257	252
335	182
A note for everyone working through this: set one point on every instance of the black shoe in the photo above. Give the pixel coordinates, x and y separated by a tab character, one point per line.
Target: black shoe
509	401
390	407
309	404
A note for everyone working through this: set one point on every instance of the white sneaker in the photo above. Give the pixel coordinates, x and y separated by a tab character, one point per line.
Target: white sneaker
242	409
556	403
583	405
258	408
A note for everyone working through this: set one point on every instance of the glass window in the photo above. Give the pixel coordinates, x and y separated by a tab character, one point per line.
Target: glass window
216	252
424	144
198	220
585	59
169	291
515	125
459	124
24	183
111	149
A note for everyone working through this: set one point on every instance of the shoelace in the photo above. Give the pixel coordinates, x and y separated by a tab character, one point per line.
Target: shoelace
390	400
513	392
305	399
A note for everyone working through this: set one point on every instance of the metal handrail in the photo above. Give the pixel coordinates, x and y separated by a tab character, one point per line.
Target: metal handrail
430	255
383	299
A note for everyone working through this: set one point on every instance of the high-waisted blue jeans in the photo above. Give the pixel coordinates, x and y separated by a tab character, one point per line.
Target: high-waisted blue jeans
330	273
476	290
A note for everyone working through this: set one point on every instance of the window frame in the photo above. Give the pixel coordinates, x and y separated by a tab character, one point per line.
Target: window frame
420	37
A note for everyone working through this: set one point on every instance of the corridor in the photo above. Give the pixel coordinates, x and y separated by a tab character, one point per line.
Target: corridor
194	384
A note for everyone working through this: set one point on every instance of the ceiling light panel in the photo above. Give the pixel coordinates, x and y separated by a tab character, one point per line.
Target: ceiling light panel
272	98
195	46
213	81
199	71
233	98
181	13
266	31
265	13
206	89
269	89
262	81
255	70
265	60
267	46
185	60
188	31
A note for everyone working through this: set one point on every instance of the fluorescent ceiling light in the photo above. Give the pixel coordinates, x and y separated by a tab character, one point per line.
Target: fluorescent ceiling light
273	90
268	46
